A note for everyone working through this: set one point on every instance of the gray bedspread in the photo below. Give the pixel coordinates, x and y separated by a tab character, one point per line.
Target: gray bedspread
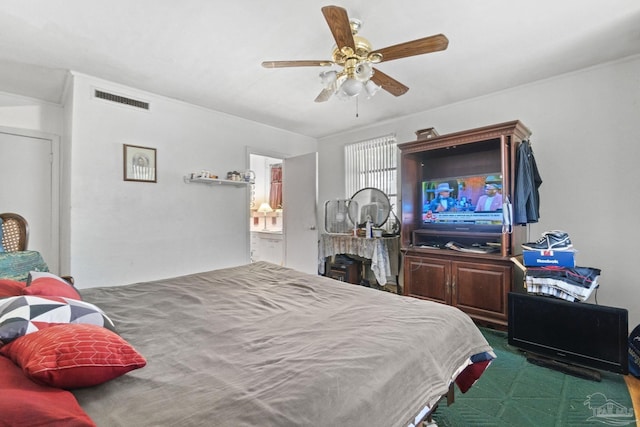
263	345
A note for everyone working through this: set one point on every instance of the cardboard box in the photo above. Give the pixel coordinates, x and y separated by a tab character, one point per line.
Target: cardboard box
549	258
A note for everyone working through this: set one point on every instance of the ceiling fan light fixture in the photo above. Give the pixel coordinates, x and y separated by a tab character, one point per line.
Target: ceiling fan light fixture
363	71
371	88
355	25
351	87
328	78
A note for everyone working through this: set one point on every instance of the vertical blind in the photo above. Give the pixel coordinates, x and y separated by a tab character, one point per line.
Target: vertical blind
372	163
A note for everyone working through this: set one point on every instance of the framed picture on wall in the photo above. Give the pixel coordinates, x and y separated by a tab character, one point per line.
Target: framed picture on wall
139	163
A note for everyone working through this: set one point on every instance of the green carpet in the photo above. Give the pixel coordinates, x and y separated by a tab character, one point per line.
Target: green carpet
514	392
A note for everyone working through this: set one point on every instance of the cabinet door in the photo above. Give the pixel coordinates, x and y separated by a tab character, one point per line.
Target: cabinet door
255	247
480	290
427	278
271	249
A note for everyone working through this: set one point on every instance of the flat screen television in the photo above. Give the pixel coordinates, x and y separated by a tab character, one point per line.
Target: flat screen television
471	202
572	333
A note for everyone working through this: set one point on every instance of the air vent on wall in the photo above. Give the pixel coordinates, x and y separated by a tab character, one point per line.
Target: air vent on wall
121	99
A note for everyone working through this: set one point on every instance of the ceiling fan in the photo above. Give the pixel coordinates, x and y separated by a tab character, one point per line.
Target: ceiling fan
356	57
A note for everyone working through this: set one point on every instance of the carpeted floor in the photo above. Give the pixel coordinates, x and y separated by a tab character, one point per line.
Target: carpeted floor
514	392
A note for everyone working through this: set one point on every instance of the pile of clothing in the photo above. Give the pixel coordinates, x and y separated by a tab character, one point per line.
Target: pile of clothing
571	284
568	282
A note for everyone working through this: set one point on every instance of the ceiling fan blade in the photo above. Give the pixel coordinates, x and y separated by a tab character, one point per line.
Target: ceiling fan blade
339	25
389	84
284	64
324	95
415	47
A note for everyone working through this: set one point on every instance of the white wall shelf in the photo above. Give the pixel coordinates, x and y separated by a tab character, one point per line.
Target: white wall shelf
212	181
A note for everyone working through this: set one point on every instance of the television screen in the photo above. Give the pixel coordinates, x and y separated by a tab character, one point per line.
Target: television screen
583	334
470	200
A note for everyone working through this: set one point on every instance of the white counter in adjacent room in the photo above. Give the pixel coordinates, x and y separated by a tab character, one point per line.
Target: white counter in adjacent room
267	246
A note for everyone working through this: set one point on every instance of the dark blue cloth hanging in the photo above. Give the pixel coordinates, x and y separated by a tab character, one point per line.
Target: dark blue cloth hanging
526	200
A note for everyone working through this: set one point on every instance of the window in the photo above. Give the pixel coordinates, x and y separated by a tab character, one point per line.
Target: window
373	163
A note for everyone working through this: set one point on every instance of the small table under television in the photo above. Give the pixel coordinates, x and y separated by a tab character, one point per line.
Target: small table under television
382	252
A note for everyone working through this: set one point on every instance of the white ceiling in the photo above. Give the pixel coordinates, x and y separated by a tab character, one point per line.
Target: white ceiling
208	53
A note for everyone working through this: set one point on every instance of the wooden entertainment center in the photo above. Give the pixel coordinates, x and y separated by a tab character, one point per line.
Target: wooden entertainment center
477	283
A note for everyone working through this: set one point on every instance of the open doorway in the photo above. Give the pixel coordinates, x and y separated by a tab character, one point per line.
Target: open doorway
290	238
266	208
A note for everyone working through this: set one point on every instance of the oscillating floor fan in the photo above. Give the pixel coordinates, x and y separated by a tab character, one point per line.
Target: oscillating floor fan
369	204
341	216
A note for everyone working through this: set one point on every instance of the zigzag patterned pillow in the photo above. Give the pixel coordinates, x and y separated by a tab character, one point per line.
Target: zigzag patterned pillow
21	315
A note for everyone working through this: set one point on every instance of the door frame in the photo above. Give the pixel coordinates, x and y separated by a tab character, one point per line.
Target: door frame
54	263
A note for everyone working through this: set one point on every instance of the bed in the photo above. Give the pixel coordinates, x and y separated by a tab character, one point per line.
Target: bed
265	345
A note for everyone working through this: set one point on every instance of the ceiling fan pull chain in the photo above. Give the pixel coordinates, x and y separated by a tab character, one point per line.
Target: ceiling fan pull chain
357	107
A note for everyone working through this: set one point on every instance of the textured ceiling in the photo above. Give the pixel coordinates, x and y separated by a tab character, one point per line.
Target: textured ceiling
209	53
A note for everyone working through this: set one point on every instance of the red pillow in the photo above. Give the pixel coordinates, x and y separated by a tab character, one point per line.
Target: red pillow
51	287
73	355
10	288
25	403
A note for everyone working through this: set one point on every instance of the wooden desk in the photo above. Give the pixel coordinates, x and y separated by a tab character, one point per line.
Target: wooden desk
384	253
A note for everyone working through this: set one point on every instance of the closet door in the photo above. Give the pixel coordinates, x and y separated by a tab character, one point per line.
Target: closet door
30	188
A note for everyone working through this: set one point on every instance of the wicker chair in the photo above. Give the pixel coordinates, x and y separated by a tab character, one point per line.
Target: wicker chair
15	232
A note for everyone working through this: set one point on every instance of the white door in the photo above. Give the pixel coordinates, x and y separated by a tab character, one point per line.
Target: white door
29	188
299	197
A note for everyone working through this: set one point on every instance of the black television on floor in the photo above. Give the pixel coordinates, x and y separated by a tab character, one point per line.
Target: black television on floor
569	336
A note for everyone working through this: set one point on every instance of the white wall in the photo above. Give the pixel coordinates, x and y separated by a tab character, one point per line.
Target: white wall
32	114
124	232
585	137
